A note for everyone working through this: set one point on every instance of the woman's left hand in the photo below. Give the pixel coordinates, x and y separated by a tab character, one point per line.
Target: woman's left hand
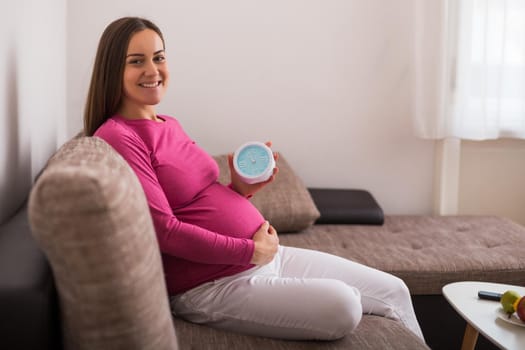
241	187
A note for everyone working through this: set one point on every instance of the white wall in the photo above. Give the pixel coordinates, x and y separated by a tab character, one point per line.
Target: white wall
32	94
329	82
491	178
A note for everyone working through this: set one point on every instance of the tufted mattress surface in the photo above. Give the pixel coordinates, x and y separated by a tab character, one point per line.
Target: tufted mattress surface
427	252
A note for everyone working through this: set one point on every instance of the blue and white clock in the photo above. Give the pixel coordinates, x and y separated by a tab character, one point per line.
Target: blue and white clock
254	162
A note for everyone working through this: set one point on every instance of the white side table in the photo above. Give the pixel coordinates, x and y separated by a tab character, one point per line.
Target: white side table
482	315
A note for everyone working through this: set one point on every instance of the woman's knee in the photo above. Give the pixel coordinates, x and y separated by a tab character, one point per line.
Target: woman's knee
394	300
399	288
344	312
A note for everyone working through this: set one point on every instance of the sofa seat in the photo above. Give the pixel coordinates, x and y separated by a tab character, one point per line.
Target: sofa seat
373	332
427	252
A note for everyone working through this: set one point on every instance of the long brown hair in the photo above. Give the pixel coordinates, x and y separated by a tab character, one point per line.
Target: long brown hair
105	90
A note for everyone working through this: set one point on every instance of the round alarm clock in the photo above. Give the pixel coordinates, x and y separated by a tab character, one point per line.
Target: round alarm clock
254	162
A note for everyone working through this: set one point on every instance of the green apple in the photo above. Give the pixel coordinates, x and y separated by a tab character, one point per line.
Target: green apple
508	299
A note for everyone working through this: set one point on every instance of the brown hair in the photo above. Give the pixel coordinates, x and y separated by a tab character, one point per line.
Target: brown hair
105	90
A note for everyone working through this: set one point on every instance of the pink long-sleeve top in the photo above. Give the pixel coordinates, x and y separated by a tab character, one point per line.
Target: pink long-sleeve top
204	228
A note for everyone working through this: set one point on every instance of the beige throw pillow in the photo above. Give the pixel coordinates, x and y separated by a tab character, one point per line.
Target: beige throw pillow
285	203
89	214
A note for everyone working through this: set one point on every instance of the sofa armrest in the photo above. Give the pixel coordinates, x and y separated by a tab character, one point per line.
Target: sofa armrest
346	206
89	215
28	300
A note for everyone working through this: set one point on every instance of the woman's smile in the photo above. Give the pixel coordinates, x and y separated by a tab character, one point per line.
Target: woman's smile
151	85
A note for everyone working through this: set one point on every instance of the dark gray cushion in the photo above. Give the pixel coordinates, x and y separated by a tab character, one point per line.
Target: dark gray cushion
346	206
28	302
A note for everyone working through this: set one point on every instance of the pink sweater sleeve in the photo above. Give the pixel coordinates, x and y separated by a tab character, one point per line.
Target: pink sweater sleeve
176	238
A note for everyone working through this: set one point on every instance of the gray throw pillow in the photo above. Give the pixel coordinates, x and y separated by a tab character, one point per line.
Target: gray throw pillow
285	203
89	215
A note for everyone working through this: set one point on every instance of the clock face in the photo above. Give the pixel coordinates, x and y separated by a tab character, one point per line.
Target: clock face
254	162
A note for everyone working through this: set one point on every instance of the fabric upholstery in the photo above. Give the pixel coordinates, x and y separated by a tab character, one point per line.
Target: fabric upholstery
285	203
373	332
89	214
427	252
29	317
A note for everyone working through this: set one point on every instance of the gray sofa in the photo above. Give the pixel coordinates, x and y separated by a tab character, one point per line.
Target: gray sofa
80	268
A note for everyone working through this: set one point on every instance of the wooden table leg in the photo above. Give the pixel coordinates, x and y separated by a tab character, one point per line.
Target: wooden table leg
470	338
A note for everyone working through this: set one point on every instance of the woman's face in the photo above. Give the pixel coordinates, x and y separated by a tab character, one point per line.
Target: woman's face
145	77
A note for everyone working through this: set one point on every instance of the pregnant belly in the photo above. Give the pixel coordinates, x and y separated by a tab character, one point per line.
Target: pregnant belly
222	210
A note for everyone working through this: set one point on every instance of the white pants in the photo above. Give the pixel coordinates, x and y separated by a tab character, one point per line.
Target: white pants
302	294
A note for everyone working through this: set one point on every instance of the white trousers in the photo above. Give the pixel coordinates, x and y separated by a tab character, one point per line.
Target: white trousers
302	294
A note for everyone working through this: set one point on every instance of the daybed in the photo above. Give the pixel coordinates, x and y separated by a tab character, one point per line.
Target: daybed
80	267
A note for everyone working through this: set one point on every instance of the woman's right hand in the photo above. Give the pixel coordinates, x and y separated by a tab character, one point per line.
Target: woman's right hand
266	244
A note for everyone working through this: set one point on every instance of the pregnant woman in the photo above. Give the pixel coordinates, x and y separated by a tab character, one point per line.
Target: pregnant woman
222	260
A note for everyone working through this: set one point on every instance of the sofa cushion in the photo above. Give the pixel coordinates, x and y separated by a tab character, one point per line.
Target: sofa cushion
373	332
89	215
427	252
346	206
285	203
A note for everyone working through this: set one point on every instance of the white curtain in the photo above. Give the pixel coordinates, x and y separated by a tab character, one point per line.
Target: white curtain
470	69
